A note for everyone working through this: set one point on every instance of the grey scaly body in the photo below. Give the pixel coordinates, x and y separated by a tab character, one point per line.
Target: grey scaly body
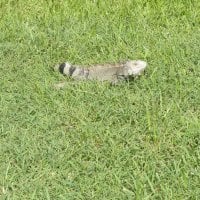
107	72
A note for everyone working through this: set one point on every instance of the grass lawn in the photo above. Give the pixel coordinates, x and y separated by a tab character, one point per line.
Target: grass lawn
139	140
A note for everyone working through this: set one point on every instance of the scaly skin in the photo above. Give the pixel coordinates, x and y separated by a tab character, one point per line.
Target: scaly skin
113	73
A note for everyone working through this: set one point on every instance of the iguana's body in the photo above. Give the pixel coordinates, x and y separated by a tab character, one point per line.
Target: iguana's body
107	72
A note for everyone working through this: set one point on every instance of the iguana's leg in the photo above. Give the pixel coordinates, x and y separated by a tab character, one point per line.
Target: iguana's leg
118	79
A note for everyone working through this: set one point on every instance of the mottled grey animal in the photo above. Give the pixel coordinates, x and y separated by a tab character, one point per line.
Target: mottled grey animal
113	73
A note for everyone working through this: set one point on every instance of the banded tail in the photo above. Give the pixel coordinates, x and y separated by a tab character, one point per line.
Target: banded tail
74	71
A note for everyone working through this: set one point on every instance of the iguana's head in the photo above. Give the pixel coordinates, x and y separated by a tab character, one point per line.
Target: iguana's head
135	67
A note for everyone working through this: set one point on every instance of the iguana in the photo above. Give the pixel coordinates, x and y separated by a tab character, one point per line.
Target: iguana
113	73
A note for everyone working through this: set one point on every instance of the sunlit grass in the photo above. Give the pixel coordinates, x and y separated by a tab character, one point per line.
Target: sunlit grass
139	140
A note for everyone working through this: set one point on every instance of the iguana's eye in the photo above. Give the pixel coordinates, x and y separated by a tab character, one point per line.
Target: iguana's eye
137	62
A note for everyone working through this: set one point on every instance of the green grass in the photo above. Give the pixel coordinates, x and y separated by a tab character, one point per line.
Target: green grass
139	140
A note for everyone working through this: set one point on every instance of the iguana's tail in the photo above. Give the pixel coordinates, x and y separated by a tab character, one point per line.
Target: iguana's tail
72	70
